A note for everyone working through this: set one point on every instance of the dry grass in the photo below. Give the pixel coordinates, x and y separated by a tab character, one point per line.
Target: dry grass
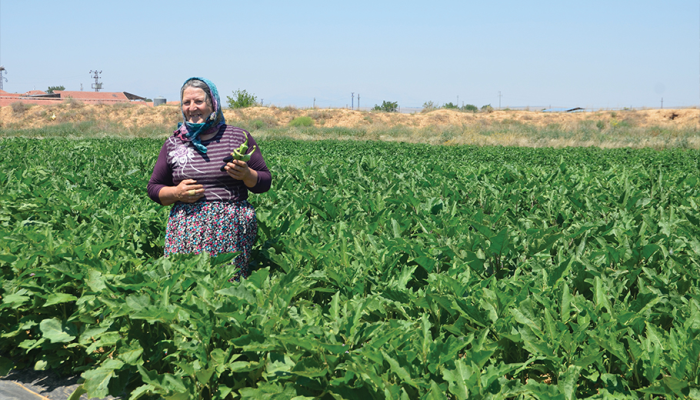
641	128
19	108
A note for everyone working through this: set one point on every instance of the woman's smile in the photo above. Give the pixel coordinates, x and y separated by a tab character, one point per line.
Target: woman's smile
195	106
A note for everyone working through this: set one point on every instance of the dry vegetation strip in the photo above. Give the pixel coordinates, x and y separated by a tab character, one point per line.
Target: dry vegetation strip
633	128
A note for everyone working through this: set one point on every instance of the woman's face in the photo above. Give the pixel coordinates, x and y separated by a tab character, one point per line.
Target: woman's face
194	105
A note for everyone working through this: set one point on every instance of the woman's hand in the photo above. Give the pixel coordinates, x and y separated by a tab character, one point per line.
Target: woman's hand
239	170
187	191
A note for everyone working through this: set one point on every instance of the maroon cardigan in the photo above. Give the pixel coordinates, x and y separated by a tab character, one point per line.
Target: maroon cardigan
179	160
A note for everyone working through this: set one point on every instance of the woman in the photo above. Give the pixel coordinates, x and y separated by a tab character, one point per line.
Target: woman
210	209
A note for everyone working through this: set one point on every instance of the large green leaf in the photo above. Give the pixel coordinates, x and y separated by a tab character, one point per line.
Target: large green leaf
460	379
59	298
57	331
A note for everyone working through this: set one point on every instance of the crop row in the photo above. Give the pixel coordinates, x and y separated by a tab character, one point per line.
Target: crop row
381	271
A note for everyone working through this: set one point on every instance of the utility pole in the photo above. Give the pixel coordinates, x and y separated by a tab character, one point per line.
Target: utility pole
662	102
457	100
352	102
314	102
499	99
358	102
2	71
97	85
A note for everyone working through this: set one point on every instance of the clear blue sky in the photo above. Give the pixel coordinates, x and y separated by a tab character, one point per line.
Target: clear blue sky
596	54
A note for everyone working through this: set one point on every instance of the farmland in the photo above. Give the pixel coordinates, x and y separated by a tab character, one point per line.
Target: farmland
382	271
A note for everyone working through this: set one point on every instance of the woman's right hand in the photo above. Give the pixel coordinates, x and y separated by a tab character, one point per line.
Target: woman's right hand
189	191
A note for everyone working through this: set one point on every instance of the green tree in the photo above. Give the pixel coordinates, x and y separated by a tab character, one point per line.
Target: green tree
52	88
450	106
429	106
388	106
241	99
470	107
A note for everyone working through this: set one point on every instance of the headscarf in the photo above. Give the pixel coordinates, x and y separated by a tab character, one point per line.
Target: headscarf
188	131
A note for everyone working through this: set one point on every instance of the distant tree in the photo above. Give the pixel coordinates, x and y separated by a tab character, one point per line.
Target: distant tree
429	106
241	99
470	107
487	108
52	88
450	106
387	106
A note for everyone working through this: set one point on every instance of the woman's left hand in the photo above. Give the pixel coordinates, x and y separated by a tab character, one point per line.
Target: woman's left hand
239	170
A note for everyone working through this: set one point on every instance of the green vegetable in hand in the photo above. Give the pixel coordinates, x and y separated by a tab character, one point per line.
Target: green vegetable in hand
239	153
243	157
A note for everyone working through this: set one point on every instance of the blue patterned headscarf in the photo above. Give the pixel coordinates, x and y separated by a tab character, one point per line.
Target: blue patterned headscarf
190	132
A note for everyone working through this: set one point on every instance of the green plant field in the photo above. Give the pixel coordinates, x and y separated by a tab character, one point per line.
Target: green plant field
382	271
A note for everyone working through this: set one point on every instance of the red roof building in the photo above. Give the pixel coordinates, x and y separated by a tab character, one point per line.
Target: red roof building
59	96
35	92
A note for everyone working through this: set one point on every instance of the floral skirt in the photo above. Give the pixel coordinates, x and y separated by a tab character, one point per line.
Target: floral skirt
213	226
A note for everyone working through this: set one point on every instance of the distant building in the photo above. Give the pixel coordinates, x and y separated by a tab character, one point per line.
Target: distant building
59	96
